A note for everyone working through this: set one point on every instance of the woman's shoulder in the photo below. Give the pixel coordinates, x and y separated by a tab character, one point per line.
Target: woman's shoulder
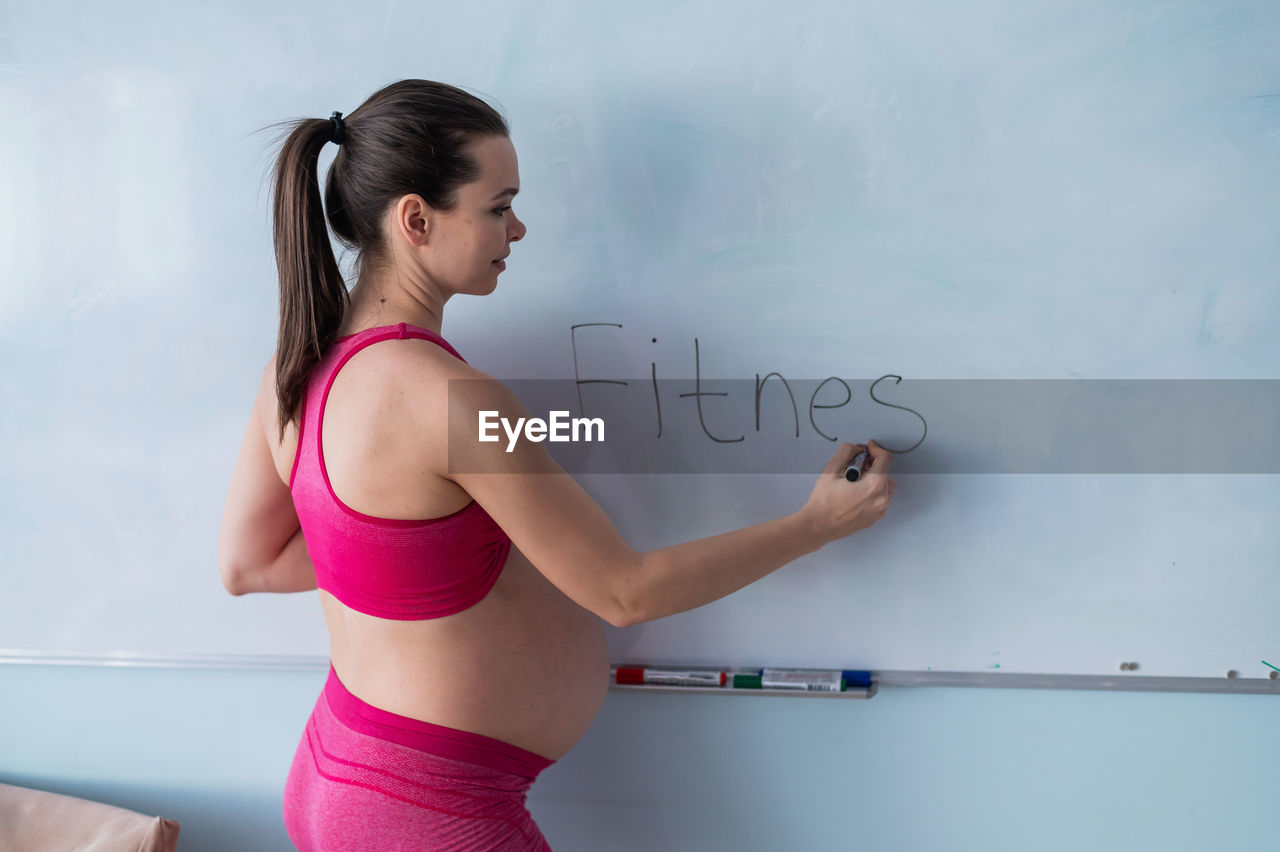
415	359
406	377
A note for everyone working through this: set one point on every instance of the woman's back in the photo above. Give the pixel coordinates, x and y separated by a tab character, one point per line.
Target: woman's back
524	663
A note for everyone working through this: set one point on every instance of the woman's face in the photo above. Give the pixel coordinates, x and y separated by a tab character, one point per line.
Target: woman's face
467	243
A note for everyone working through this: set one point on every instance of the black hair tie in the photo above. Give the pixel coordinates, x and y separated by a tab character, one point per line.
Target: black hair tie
336	118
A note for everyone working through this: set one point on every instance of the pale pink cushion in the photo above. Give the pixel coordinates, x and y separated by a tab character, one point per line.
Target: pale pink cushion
40	821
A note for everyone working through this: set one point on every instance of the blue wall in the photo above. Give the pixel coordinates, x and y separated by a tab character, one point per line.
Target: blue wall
912	769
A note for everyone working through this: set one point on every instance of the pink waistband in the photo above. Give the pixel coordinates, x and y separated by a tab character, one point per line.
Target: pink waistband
426	736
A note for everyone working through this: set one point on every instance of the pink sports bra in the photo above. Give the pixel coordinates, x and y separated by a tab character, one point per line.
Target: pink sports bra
399	569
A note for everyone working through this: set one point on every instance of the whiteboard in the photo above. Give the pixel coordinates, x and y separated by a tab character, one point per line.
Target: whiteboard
1055	225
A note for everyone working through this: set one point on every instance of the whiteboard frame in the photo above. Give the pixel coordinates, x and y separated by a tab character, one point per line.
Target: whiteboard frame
1002	680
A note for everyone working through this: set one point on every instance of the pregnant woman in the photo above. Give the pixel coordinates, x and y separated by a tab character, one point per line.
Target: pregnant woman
463	585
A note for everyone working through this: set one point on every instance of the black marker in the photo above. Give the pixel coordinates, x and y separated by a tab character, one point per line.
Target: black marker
854	470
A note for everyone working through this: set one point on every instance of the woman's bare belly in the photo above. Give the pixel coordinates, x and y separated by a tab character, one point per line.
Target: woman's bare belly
525	665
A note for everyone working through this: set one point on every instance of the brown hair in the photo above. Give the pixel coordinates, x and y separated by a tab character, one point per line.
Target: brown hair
408	137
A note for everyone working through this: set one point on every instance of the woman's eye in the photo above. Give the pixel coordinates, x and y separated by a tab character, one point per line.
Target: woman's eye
500	210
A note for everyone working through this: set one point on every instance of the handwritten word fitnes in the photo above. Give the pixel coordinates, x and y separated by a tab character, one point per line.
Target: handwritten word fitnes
699	393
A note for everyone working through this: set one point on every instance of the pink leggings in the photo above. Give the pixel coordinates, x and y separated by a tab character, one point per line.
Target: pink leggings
366	779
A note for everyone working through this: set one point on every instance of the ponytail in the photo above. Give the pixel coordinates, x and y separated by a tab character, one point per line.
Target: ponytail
313	296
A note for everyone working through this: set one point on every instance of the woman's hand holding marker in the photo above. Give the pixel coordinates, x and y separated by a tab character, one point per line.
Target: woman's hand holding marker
839	507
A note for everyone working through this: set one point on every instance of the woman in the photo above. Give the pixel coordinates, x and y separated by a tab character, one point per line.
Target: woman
463	590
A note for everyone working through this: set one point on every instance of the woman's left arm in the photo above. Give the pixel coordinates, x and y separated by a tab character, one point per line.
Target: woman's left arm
260	544
291	571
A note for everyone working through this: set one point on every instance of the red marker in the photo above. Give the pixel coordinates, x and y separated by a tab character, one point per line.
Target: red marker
640	676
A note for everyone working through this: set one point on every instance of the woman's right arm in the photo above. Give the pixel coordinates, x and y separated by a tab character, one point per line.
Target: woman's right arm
571	540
